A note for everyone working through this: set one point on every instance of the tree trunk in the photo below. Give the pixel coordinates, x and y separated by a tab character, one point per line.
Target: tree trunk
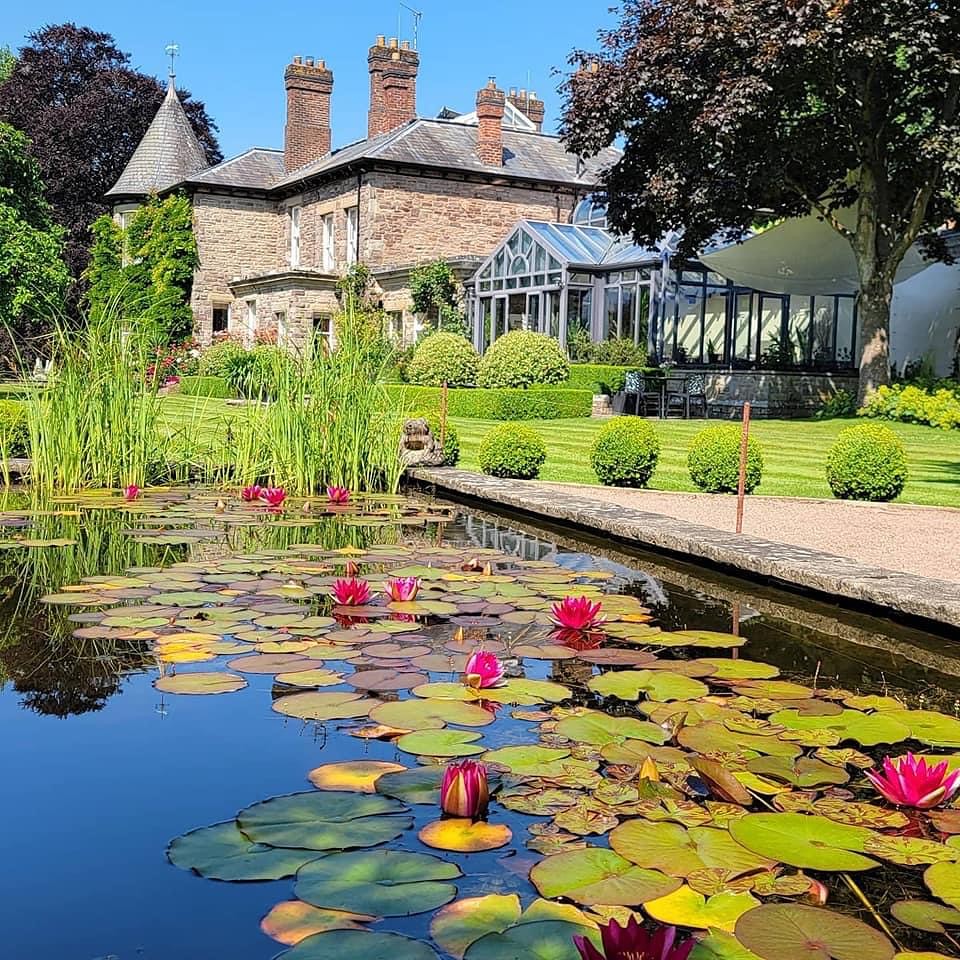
876	296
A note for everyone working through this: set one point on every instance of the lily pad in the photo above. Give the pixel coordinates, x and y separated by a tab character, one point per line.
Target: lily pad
357	775
791	931
441	743
417	785
804	841
457	925
324	820
222	852
923	915
687	908
943	881
600	729
653	684
464	835
293	920
199	684
384	883
324	706
360	945
416	714
540	940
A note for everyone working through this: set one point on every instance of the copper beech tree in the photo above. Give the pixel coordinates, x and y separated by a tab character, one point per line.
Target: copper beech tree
736	112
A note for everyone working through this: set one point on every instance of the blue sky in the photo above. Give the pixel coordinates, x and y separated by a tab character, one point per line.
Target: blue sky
233	53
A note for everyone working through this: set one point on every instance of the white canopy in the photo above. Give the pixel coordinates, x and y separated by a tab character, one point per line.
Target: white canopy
804	255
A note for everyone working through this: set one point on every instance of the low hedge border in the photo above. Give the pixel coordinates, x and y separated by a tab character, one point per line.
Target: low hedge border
537	403
599	377
216	387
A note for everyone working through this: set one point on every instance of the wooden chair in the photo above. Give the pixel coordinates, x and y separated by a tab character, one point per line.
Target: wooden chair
675	396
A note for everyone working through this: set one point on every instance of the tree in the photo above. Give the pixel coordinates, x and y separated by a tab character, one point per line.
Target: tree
33	277
7	60
435	292
735	112
74	93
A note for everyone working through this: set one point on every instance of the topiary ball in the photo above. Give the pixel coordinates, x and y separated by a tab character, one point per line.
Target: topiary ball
867	462
714	460
451	439
522	358
443	357
512	450
625	452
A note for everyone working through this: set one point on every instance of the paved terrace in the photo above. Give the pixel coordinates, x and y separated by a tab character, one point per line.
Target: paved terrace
886	546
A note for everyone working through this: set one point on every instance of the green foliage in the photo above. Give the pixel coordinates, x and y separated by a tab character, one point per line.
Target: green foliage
713	460
444	357
867	462
617	351
841	404
33	278
599	377
434	289
451	439
217	387
14	434
155	283
912	404
522	358
354	285
625	452
544	403
219	359
7	63
512	450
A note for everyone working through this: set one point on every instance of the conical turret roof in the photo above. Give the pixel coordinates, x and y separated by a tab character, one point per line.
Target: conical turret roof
168	153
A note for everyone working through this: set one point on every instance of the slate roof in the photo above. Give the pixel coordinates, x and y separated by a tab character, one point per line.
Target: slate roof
169	153
257	168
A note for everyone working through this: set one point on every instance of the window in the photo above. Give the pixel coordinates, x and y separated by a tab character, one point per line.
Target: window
221	318
328	252
395	322
280	322
353	233
295	236
250	322
323	332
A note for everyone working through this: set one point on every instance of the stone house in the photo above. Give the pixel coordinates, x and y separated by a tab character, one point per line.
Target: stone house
275	229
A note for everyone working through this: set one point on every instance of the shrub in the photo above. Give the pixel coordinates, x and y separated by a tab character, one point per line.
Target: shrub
14	433
216	387
841	404
912	404
444	357
714	460
867	462
543	403
451	439
625	452
599	377
522	359
219	358
616	352
512	450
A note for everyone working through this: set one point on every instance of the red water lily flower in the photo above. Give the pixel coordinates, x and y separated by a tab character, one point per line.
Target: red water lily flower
464	791
402	589
483	670
131	492
909	782
251	493
577	613
273	496
338	494
351	592
577	639
633	942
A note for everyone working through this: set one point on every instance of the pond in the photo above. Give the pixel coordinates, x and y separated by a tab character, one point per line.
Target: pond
170	663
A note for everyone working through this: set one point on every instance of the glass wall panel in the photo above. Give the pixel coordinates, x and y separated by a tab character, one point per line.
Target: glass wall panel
771	327
533	311
689	315
714	325
628	312
611	310
486	315
796	347
500	316
516	316
744	341
845	325
552	311
579	302
821	330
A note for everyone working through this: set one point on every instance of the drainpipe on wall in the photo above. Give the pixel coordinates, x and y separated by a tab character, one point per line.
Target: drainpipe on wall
356	252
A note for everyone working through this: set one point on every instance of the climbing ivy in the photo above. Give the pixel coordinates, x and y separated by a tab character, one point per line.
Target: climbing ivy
435	291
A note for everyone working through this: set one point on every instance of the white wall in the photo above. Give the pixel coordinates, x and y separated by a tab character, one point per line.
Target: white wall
925	319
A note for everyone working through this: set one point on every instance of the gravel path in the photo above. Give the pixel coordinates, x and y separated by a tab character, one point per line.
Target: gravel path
913	539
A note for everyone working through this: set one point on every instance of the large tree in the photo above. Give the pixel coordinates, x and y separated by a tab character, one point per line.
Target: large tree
74	93
738	111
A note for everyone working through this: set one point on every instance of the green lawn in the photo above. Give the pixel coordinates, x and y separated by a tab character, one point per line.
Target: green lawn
794	451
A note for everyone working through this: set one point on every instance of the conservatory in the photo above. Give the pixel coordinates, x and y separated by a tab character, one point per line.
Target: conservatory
578	280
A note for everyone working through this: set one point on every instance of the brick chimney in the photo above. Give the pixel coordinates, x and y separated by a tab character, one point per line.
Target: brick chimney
306	136
393	85
529	105
490	104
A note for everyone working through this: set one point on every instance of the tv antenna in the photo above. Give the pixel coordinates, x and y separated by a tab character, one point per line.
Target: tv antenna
417	17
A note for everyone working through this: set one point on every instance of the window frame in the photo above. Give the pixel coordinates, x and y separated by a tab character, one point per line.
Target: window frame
295	216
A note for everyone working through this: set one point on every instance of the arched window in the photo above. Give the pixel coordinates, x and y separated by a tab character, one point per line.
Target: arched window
590	213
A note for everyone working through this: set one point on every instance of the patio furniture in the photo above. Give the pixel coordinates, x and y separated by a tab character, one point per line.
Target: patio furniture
647	393
675	396
696	396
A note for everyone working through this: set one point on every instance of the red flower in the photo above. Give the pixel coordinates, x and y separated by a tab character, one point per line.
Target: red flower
909	782
464	791
483	670
402	589
251	493
132	492
273	496
352	592
577	613
338	494
633	942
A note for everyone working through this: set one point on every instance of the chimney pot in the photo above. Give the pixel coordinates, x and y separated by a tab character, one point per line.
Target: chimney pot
393	85
322	64
513	91
393	43
381	40
405	45
523	94
297	59
309	61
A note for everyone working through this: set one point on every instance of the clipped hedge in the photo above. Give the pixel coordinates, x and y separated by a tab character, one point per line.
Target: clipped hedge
512	450
523	358
451	439
714	460
867	462
625	452
216	387
444	357
599	377
912	404
545	403
14	434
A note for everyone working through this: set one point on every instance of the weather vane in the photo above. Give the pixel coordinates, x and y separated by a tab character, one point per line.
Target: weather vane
173	51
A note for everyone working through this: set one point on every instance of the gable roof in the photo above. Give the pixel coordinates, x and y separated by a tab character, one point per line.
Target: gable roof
256	168
168	154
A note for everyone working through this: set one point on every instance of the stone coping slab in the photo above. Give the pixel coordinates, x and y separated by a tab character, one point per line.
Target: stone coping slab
838	578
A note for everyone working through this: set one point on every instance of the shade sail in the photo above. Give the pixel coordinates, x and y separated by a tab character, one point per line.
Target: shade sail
803	255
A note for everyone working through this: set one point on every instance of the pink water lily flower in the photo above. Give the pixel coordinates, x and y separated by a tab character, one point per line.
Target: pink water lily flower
633	942
338	494
910	782
251	493
483	670
577	613
351	592
402	589
464	790
131	492
273	496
